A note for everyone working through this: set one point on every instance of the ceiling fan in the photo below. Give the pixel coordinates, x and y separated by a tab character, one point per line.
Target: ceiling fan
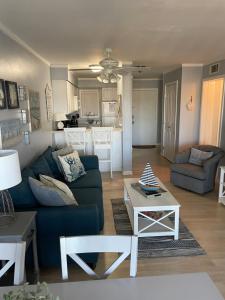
108	69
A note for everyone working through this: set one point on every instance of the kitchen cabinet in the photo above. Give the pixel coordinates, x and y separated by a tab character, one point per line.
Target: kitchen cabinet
89	103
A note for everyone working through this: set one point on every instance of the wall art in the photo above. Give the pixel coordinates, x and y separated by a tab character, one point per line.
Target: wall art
11	133
34	110
12	94
2	94
49	102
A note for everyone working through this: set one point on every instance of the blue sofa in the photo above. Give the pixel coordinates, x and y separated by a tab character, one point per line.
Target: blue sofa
52	222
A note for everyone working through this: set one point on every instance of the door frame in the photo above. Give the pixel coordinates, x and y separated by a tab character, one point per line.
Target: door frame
176	106
157	106
222	105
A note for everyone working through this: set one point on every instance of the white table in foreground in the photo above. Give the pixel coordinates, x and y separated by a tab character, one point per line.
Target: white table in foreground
145	226
193	286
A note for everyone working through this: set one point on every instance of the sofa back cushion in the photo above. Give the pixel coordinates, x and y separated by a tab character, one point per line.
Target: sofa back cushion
21	194
40	166
51	163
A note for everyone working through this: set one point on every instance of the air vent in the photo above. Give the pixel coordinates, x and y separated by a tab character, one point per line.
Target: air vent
213	69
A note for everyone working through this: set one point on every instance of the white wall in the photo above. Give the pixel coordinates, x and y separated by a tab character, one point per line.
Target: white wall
190	120
125	87
19	65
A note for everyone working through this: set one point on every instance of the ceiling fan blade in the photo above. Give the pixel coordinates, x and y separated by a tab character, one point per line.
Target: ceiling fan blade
87	69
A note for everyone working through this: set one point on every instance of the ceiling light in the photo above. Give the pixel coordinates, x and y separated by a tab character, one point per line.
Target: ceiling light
95	68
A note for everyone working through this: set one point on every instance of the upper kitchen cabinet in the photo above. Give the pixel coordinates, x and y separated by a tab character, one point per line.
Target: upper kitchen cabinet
89	102
109	94
63	90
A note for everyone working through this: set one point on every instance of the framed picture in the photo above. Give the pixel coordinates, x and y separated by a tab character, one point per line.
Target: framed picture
34	110
12	94
2	94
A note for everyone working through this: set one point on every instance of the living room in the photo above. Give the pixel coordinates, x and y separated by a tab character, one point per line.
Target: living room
150	73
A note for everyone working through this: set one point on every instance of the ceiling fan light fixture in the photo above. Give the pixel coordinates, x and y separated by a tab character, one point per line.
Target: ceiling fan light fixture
96	68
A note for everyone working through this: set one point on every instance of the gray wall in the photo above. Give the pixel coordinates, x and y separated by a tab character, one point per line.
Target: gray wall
150	84
17	64
205	72
190	120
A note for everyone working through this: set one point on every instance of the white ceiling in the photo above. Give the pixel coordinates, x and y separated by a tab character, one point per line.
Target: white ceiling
159	33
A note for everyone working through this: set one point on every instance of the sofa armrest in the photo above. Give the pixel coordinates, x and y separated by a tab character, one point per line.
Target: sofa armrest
182	157
67	220
90	161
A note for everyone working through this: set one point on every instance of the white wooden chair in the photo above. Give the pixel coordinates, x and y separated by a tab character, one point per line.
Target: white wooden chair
71	246
102	140
76	137
13	253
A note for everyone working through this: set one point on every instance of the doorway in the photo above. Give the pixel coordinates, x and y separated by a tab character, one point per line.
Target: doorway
211	111
145	117
169	120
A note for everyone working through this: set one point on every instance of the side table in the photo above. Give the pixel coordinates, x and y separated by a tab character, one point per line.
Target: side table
23	228
222	186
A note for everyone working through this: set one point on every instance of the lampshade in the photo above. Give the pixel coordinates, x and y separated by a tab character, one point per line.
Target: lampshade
10	174
60	117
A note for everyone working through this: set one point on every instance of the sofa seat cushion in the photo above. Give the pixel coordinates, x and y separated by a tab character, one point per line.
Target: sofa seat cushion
92	179
21	194
93	197
189	170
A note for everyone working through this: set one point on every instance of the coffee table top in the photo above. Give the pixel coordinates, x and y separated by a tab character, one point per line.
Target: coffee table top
165	201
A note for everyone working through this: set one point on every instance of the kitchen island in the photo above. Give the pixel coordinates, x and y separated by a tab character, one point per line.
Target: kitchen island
59	141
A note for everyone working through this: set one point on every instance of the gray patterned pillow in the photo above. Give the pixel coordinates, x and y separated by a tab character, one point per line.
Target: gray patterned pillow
72	166
197	156
48	195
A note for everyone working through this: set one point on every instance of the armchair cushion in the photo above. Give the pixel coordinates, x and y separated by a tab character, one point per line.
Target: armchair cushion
189	170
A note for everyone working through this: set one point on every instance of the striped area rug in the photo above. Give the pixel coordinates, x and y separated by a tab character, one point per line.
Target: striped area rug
156	246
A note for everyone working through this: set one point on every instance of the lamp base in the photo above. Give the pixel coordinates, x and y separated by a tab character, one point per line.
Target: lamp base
7	214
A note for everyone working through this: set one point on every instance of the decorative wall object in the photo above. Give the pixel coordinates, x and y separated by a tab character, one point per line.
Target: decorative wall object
11	133
12	94
34	110
49	102
2	94
190	104
22	93
26	137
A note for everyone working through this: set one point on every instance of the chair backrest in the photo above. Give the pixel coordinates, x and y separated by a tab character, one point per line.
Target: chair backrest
14	253
71	246
76	137
208	148
102	135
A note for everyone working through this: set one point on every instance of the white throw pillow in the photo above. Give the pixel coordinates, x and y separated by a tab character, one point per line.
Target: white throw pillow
72	166
52	182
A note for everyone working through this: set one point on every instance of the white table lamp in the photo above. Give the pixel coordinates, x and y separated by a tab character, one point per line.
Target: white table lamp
10	176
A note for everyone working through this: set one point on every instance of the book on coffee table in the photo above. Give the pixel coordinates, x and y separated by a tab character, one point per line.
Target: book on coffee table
148	194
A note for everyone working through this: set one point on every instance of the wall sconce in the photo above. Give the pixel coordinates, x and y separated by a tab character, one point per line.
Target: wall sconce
23	117
190	105
26	137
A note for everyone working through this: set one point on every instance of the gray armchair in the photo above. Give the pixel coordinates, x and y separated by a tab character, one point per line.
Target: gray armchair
198	179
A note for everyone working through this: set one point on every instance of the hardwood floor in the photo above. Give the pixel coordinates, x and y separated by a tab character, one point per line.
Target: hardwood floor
203	215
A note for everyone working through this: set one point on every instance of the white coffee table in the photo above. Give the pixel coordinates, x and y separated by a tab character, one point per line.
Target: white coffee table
145	226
